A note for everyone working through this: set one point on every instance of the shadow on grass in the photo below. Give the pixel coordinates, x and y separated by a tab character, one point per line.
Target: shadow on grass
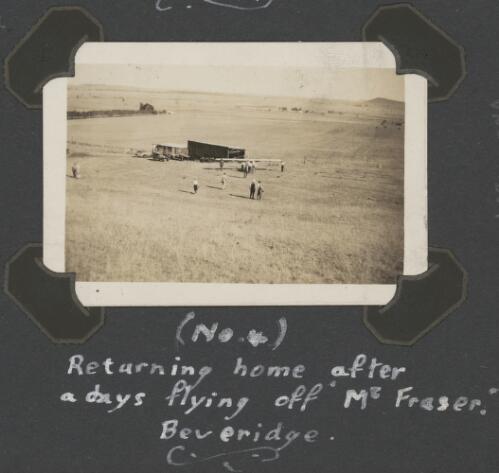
214	187
240	196
186	192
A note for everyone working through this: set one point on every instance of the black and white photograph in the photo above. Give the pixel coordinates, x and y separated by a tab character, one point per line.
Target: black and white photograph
273	167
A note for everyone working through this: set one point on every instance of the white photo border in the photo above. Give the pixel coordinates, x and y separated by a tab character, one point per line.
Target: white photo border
163	294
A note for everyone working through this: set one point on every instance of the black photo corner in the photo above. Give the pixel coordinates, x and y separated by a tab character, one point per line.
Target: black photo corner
408	387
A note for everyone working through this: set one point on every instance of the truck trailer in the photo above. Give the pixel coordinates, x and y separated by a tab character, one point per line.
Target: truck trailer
206	151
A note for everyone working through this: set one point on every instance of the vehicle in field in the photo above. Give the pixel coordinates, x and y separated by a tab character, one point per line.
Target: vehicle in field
165	152
209	152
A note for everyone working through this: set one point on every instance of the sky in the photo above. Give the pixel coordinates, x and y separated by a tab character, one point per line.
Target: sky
273	81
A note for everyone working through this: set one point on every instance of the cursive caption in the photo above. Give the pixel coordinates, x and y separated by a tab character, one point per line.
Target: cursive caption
359	384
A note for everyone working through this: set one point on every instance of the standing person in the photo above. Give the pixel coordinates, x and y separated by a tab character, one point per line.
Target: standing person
221	164
283	164
253	167
195	185
76	170
245	168
252	189
259	192
224	180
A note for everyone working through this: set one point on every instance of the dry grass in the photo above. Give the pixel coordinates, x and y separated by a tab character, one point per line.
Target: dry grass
334	216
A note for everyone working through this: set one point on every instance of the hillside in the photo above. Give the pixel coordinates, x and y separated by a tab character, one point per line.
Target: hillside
99	97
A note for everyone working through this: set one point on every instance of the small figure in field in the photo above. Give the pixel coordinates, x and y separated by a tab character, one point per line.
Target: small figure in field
221	164
195	185
224	180
283	165
246	168
76	171
252	189
253	167
259	192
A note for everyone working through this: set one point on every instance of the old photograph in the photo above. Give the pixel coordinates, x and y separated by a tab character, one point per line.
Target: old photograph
283	171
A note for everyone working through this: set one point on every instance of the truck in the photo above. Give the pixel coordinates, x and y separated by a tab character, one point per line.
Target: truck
165	152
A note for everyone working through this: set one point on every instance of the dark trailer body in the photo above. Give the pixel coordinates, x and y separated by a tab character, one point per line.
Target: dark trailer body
198	150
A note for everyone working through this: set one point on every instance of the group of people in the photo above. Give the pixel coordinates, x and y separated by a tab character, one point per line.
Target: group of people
256	187
249	167
195	183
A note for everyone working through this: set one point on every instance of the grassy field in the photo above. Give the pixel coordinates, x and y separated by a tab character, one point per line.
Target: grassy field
334	216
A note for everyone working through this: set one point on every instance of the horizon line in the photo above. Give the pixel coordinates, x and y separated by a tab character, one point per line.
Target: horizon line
128	87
